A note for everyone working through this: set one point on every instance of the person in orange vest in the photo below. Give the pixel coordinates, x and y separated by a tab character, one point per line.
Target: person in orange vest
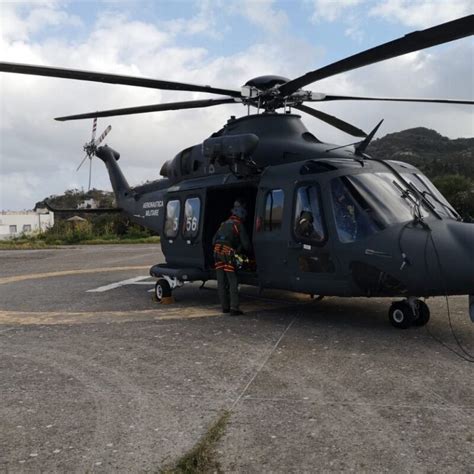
230	239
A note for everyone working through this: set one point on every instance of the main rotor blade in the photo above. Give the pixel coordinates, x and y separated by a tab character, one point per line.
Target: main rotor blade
327	97
409	43
189	104
111	78
331	120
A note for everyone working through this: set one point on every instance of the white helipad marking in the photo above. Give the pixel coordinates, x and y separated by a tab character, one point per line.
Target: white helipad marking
118	284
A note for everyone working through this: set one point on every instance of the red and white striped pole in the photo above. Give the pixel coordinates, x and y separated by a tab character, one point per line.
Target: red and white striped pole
94	128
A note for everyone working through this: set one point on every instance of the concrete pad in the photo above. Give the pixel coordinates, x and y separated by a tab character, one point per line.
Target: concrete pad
112	381
341	398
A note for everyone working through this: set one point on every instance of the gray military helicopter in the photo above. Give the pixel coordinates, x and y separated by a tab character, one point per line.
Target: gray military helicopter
324	219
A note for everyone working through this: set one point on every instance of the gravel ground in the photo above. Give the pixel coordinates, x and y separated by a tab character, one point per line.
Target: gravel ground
110	381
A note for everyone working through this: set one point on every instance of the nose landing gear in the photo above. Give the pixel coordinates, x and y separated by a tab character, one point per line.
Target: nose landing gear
409	312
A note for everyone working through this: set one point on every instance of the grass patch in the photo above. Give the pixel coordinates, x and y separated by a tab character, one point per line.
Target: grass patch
202	457
24	245
140	240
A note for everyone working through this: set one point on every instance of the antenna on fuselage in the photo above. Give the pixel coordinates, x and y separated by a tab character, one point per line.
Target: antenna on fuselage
359	148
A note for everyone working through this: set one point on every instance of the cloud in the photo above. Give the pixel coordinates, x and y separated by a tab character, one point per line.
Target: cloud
39	156
263	14
204	22
421	13
409	13
44	14
21	185
424	75
331	10
46	152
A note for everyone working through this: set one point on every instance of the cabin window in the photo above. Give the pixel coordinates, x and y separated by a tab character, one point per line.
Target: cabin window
308	222
192	214
13	229
273	210
26	227
173	209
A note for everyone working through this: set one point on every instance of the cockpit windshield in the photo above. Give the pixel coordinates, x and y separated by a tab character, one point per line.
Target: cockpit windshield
431	194
367	203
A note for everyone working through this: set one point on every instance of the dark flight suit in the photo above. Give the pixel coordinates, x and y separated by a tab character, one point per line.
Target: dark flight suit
305	229
231	238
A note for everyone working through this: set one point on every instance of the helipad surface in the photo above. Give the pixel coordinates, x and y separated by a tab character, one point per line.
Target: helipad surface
95	376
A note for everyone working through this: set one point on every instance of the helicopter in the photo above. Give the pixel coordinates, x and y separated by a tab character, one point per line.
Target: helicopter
372	227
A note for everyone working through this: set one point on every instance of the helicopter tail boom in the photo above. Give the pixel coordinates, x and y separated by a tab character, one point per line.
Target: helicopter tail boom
119	183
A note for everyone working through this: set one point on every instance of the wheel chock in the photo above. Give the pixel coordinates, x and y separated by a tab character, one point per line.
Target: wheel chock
167	300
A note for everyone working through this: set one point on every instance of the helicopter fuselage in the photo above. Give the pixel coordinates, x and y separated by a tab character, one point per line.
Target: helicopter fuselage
376	228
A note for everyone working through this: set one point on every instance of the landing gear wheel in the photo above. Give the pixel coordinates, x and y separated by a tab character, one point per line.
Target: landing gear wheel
162	290
316	297
401	315
422	315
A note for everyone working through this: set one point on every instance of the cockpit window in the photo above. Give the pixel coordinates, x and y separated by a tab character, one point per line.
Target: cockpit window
354	218
308	222
367	203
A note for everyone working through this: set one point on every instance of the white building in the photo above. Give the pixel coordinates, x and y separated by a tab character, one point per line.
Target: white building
16	223
88	204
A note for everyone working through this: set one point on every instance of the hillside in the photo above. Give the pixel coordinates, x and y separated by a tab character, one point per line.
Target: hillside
434	154
72	198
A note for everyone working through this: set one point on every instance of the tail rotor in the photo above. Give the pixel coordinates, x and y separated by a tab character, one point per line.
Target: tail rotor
91	147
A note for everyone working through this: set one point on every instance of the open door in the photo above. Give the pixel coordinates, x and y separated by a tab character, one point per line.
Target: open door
219	202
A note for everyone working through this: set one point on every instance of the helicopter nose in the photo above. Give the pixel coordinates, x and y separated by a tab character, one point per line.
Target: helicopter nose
453	249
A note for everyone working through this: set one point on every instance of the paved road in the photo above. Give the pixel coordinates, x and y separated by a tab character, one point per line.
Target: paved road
108	380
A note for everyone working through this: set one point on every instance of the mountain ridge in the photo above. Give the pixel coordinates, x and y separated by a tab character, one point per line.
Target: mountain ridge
435	154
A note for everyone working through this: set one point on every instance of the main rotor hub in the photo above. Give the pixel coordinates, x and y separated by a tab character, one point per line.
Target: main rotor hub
264	83
263	92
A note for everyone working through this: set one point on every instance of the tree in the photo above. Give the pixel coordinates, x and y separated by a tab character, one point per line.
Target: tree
459	191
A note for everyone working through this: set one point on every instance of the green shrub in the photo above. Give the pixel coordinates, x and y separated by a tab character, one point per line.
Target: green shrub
459	191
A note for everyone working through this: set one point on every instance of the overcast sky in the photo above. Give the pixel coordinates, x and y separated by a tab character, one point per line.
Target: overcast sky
219	42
